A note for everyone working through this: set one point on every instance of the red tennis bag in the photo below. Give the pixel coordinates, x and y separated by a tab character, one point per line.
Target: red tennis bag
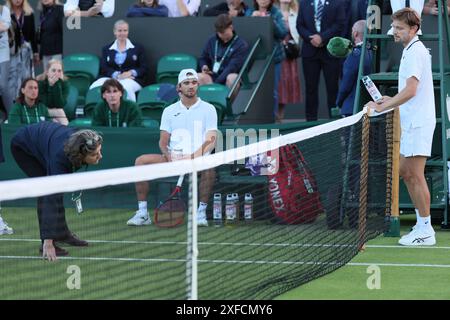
293	193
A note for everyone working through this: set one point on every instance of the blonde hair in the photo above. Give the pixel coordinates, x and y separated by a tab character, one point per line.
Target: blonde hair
293	5
27	9
51	62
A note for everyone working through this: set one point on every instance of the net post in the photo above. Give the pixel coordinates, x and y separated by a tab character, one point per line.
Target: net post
193	240
363	182
393	178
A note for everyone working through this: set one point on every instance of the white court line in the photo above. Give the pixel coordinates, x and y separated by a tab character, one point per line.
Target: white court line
240	244
410	265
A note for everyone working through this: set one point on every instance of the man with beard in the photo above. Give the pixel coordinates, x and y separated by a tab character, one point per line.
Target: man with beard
188	130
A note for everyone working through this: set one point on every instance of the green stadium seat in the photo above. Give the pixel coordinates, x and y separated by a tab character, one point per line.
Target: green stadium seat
93	97
217	95
169	66
154	98
81	122
72	102
81	69
150	123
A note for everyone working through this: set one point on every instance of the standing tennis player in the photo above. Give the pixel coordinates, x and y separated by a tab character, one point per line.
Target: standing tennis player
188	130
418	120
4	228
47	149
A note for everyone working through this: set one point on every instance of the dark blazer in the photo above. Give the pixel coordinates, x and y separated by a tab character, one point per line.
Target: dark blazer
135	60
223	8
347	87
28	30
333	24
1	147
50	32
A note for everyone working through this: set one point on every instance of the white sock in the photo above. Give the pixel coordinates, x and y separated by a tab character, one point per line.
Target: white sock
202	208
424	221
142	207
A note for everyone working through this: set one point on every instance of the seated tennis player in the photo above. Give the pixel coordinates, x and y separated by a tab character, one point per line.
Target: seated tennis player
188	130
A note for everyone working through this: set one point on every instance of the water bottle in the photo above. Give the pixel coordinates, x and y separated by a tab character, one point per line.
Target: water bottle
237	206
248	207
230	210
217	209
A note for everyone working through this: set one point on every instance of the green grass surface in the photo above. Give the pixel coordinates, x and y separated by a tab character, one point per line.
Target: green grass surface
150	263
417	273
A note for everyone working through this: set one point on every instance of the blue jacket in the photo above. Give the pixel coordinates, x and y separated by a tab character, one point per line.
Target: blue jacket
138	11
279	32
347	87
45	142
135	60
332	25
234	59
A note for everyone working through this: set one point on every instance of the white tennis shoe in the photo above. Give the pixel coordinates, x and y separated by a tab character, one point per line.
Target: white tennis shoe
140	219
419	236
4	228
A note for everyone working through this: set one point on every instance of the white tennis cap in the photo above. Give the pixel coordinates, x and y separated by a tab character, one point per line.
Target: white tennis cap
187	74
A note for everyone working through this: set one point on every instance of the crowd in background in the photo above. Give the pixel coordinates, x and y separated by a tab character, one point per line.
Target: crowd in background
309	25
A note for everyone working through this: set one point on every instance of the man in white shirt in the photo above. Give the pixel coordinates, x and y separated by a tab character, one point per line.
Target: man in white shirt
89	8
418	120
188	130
181	8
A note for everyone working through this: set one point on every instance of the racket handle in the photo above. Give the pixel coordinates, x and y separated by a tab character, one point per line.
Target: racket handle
180	180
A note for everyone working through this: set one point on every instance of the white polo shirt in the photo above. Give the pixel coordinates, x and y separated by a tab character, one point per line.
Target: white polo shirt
418	111
192	7
188	127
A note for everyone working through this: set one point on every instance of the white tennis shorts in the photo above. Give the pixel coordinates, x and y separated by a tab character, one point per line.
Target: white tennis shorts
417	141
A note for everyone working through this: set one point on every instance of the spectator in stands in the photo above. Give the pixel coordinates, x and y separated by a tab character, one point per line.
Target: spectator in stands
27	108
47	149
189	115
53	91
124	61
50	31
4	228
89	8
416	5
265	8
415	100
289	85
5	24
223	55
114	111
24	51
147	8
431	8
317	24
235	8
347	87
181	8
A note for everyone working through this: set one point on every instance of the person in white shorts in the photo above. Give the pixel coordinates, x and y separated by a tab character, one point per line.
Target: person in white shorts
188	130
418	120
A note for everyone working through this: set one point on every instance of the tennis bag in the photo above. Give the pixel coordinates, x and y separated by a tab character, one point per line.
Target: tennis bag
293	193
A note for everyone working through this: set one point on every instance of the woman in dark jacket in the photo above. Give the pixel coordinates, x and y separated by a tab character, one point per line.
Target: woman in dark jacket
124	61
50	31
147	8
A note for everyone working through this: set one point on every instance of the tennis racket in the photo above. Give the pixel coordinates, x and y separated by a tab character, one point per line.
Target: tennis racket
170	213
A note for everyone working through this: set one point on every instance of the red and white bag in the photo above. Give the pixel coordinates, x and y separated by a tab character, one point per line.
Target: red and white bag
293	193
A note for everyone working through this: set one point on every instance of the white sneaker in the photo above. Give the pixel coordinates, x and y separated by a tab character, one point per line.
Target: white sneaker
201	218
140	219
4	228
419	236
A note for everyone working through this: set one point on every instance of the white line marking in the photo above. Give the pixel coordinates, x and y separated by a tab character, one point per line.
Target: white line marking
413	265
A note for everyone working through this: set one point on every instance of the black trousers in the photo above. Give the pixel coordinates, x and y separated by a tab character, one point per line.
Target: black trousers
311	68
50	209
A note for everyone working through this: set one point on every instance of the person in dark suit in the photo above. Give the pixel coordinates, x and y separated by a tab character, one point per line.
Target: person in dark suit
235	8
318	21
349	81
124	61
47	149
